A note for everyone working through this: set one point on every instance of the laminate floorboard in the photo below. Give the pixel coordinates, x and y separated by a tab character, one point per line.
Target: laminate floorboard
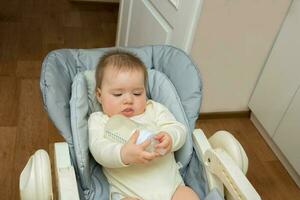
9	101
7	151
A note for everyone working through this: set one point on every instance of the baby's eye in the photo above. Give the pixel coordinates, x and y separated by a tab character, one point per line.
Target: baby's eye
117	94
137	94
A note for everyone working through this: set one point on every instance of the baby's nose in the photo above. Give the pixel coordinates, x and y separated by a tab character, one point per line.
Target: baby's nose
128	98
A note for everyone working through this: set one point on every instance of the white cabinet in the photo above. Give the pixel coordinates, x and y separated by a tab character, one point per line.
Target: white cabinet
281	75
287	135
275	103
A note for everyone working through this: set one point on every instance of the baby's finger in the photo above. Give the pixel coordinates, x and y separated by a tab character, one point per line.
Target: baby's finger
149	156
163	144
145	144
134	137
159	136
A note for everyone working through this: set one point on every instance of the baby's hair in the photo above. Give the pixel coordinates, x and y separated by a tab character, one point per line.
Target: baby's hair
120	60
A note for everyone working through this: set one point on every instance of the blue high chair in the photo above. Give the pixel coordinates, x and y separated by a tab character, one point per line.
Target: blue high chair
68	84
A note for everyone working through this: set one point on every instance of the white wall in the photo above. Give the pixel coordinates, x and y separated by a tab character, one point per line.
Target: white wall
231	44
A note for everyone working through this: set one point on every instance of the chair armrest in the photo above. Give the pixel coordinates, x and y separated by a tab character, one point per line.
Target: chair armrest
219	163
226	141
35	179
201	146
65	174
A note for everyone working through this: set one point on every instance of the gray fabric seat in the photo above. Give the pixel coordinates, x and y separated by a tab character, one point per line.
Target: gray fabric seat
67	85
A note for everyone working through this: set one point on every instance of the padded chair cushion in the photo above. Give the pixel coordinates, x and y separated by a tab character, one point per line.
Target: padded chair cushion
79	108
89	58
58	73
61	66
162	90
89	76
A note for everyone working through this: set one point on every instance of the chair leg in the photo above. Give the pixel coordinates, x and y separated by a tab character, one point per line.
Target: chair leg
65	174
202	145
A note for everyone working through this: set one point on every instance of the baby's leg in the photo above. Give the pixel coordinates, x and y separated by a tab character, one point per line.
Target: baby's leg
184	192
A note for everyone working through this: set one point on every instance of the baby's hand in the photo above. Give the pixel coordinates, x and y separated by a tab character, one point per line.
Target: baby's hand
132	153
165	142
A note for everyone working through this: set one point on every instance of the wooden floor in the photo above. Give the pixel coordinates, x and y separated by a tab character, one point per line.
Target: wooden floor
29	29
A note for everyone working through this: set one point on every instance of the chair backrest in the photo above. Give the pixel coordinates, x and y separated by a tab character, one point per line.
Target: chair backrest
173	81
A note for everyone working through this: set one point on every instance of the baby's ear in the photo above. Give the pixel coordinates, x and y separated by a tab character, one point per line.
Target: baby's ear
98	95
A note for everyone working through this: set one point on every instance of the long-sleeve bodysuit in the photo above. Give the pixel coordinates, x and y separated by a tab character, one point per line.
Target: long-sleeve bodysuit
156	180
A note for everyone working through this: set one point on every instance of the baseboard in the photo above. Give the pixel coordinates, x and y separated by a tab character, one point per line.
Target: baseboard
103	1
219	115
276	150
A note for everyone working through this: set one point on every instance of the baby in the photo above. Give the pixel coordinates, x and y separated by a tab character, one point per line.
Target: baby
133	172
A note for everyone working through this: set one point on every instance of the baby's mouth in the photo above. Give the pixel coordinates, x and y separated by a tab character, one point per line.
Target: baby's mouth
127	111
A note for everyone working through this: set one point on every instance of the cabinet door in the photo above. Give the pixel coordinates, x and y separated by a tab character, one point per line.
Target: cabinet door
281	75
287	136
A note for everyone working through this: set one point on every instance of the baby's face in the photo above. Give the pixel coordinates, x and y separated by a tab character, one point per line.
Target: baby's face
122	92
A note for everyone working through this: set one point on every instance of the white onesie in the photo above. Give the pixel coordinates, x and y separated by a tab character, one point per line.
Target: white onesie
154	181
